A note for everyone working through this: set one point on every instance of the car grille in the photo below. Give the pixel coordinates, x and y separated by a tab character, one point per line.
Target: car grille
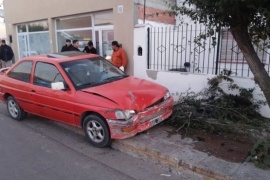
156	103
152	116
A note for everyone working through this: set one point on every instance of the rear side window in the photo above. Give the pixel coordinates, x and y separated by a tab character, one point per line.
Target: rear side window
22	71
45	74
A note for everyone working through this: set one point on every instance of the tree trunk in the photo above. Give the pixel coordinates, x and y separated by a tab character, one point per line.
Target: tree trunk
261	77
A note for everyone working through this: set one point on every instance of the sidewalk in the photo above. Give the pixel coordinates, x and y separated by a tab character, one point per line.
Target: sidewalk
178	154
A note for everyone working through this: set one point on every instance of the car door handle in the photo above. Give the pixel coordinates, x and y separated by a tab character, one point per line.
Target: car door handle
33	90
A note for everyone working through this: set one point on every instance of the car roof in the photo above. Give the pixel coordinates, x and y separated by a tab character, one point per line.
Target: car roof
62	56
65	54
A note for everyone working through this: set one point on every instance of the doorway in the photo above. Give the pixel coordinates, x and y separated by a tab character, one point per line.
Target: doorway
104	38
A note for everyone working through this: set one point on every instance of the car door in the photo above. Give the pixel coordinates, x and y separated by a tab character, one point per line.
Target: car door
55	104
18	85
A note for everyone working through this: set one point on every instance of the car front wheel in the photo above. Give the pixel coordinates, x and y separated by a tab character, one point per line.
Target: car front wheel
96	131
15	111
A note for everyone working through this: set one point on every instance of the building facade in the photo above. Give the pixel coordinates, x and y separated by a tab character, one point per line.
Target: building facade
37	27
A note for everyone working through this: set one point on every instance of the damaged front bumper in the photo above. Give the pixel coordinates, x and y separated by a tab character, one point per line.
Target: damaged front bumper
141	121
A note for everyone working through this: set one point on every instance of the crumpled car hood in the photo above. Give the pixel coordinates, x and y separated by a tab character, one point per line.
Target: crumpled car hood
130	93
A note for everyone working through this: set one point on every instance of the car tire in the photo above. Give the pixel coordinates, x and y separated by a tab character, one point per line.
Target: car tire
96	130
14	110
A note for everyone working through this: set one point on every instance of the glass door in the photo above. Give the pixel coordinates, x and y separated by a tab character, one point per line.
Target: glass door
104	40
23	45
107	38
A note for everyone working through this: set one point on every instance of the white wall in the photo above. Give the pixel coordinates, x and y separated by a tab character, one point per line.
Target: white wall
178	82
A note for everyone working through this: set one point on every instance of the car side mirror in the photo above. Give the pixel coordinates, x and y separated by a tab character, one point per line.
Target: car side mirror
59	86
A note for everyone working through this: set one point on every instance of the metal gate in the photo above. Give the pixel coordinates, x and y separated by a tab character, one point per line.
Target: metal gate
173	48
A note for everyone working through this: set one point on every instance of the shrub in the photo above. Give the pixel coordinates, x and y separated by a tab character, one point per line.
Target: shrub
214	110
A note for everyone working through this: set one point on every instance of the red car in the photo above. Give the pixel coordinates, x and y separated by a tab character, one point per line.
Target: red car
86	91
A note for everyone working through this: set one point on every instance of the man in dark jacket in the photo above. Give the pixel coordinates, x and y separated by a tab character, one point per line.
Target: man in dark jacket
90	48
75	46
6	54
67	47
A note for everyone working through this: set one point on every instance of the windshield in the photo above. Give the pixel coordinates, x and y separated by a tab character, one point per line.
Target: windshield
91	72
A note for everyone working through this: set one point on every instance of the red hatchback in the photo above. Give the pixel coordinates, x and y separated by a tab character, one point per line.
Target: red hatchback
86	91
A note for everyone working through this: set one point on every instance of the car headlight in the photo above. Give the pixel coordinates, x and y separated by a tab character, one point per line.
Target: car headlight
167	95
124	114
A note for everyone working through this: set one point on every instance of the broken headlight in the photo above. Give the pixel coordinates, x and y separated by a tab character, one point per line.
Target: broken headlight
167	95
124	114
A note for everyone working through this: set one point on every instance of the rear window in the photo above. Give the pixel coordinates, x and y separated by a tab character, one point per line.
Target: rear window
22	71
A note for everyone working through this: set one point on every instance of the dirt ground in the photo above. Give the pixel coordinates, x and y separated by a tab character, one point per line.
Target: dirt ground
233	148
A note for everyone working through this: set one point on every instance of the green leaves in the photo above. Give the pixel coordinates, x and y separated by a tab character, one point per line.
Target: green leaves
215	105
252	14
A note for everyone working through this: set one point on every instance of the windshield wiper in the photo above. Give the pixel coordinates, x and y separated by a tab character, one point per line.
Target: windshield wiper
91	84
114	78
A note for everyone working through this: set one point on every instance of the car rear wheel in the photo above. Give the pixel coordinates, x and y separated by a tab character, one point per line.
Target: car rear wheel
96	131
15	111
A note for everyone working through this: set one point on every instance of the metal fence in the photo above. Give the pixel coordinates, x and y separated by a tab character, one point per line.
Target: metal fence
172	48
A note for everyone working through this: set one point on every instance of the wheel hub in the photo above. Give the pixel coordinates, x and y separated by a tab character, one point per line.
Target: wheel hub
95	131
12	109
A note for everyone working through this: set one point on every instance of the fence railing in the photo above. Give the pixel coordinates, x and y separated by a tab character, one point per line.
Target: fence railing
172	48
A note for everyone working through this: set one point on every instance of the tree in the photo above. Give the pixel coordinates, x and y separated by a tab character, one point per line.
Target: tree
247	20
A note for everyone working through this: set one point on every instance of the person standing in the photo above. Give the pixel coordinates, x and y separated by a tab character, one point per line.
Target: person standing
119	56
67	47
90	48
6	54
75	46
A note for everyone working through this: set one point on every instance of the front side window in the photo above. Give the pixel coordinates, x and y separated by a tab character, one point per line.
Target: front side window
45	74
91	72
22	71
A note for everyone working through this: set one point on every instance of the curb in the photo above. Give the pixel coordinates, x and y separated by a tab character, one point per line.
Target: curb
178	155
177	165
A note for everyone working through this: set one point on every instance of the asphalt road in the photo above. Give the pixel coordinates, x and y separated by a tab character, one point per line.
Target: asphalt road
37	148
